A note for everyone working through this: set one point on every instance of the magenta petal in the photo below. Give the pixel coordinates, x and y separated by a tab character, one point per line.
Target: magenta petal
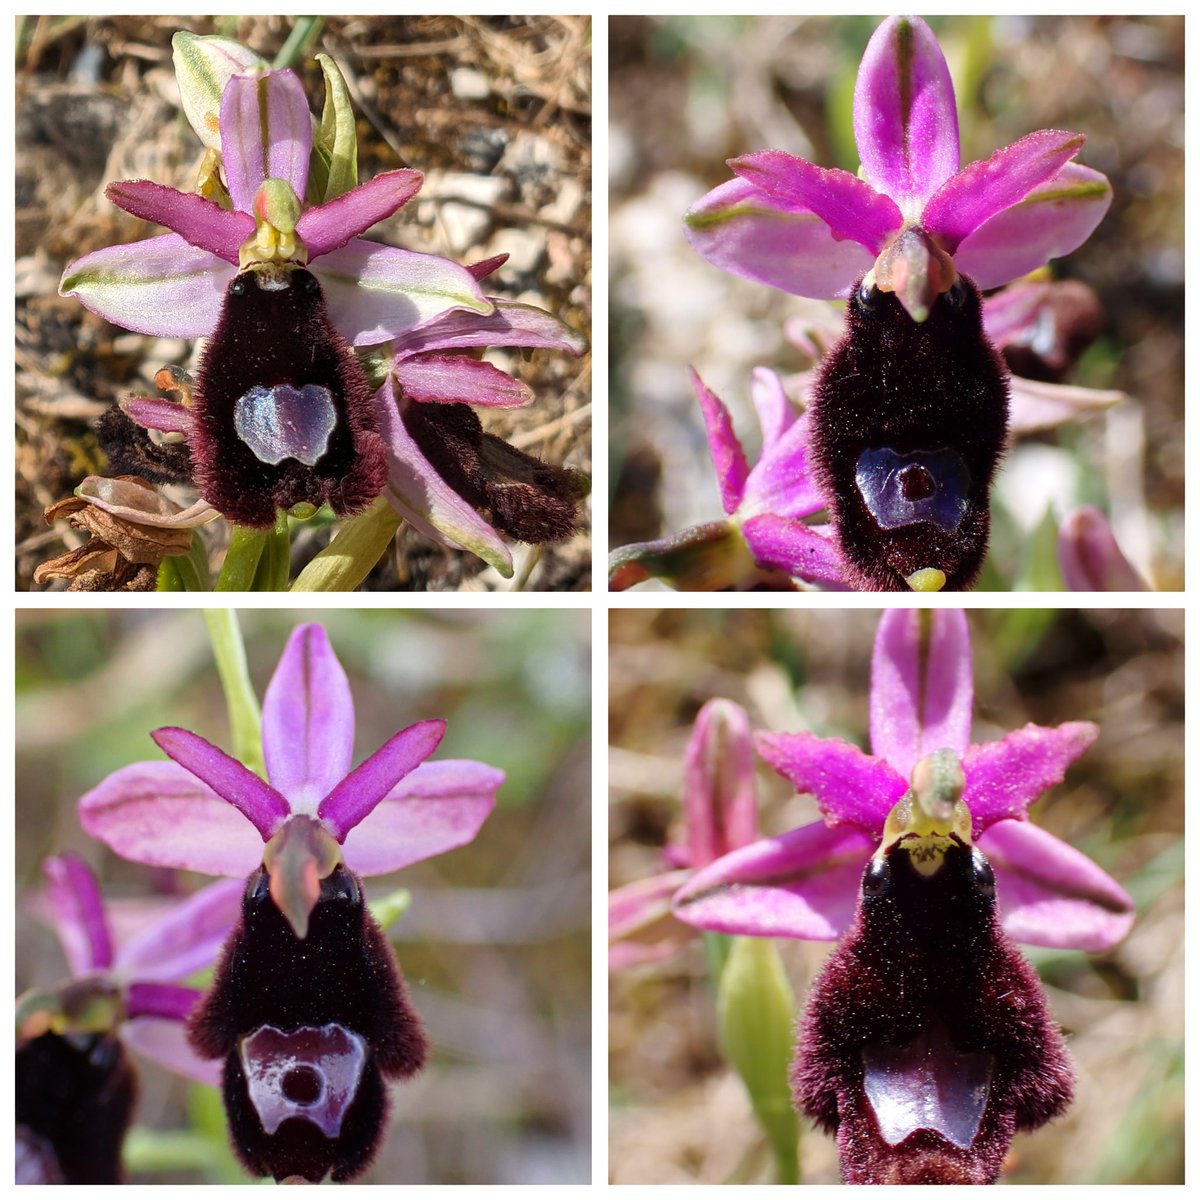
851	787
642	928
850	207
987	187
803	884
1034	406
1052	895
742	230
266	133
510	324
1089	557
78	912
165	1042
1052	220
161	286
256	800
776	413
802	551
783	482
719	800
1004	778
187	938
308	721
160	814
438	807
921	690
356	795
168	1000
200	222
154	412
330	226
905	117
457	379
729	459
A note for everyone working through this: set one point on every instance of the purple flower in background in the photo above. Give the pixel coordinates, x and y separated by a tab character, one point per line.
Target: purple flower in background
914	219
720	815
766	505
75	1087
805	883
205	811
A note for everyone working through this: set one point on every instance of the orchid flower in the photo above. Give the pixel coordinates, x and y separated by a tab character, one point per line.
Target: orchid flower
205	811
720	815
805	883
765	506
913	220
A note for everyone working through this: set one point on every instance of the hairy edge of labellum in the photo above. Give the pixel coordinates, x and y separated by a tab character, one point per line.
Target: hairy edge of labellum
331	994
273	355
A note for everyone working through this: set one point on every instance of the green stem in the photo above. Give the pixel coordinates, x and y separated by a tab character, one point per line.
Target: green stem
245	717
241	559
193	566
303	34
357	546
274	566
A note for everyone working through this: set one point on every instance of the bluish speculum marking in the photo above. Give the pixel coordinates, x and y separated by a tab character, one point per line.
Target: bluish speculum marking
285	422
312	1074
927	1085
920	485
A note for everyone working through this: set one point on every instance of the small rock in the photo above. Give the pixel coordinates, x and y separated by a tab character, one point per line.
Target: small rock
524	249
465	225
566	205
532	159
483	147
468	84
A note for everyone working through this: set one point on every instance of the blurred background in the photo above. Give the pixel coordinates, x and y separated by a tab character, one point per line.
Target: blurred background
496	111
686	93
677	1114
496	946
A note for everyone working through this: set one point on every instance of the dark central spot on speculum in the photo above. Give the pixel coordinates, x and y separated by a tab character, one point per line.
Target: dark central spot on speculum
302	1085
916	483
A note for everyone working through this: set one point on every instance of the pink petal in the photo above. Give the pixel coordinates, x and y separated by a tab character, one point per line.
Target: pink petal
488	266
729	459
746	232
851	787
154	412
1034	406
165	1042
439	807
330	226
457	379
987	187
161	286
1052	220
510	324
641	926
782	482
375	292
355	796
256	800
161	815
1004	778
776	412
1090	558
266	133
200	222
308	721
905	117
921	689
1052	895
719	800
187	938
805	552
803	884
171	1001
77	909
851	208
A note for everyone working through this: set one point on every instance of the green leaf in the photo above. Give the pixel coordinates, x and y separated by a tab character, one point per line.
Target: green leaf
336	143
356	548
387	910
755	1021
241	700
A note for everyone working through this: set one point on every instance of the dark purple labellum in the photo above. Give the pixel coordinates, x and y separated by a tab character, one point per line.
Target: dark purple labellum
908	425
308	1028
74	1102
283	412
927	1041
